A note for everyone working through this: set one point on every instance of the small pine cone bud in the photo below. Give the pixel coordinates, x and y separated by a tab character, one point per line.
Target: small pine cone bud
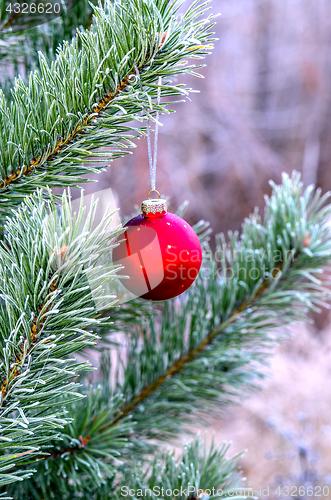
307	241
60	257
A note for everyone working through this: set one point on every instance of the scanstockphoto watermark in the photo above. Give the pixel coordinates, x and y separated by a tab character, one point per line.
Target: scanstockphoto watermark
245	264
242	273
241	255
187	492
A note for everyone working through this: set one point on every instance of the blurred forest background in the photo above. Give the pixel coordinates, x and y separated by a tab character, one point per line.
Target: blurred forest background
264	107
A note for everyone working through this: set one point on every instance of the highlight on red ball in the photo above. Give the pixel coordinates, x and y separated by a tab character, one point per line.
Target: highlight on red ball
161	256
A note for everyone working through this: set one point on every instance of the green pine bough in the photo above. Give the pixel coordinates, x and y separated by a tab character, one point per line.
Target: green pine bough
49	267
89	96
185	357
68	432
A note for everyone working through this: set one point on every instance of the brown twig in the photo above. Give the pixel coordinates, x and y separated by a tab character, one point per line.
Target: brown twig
34	332
10	20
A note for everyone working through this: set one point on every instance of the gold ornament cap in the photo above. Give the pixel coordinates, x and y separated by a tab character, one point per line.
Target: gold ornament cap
154	207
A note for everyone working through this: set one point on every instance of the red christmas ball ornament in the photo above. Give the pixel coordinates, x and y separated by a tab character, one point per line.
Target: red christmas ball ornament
161	253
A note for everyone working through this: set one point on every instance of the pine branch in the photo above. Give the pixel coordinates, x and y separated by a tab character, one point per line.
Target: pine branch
87	98
187	357
199	468
50	284
29	340
195	354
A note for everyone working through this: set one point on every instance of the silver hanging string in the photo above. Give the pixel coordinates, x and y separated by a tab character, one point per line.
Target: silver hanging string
152	166
152	158
150	155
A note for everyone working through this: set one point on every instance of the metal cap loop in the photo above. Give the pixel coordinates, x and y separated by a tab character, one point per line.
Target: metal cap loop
154	207
153	191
